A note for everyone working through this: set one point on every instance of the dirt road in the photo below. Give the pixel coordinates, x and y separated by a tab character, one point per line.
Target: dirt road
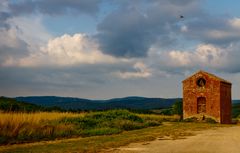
220	140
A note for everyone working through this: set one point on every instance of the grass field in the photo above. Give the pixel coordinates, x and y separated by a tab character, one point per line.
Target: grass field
94	144
20	127
32	127
86	132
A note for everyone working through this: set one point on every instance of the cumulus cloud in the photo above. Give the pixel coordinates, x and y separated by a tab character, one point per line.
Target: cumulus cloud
213	29
141	71
19	35
235	23
23	36
11	47
204	56
81	50
67	50
30	29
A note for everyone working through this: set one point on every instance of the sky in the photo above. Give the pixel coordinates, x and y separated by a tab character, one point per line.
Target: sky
101	49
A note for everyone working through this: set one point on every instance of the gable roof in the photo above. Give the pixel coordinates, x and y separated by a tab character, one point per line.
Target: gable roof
209	74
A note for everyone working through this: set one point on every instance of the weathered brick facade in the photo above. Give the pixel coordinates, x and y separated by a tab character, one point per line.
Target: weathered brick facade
207	96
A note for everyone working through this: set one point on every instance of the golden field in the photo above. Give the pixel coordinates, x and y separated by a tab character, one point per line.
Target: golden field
17	125
29	127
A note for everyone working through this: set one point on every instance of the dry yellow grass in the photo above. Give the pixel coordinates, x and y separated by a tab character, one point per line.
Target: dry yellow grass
11	124
160	117
29	127
14	119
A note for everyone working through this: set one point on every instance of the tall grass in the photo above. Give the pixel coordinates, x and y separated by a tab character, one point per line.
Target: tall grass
31	126
14	119
162	118
28	127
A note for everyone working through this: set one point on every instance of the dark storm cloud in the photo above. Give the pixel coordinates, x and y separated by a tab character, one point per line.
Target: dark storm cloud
42	80
74	80
55	7
232	63
130	30
3	17
125	33
214	30
49	7
9	52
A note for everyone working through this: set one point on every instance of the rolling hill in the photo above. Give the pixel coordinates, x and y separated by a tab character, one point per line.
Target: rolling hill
51	103
86	104
10	104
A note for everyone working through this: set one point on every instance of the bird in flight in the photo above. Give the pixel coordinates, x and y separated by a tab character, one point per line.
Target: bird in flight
181	16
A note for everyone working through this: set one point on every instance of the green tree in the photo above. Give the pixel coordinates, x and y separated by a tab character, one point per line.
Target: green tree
177	108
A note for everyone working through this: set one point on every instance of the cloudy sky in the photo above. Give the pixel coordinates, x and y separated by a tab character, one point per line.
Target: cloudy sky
101	49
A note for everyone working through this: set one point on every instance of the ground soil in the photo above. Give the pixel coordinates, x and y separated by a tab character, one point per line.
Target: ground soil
219	140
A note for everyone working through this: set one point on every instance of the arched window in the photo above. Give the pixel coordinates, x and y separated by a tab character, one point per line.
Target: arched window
201	82
201	105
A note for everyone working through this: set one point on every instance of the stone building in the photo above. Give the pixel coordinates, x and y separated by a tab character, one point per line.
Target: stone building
207	96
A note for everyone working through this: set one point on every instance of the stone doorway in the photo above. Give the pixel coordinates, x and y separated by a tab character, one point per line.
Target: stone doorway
201	105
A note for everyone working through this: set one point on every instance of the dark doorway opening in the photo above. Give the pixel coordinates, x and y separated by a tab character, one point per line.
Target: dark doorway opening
201	105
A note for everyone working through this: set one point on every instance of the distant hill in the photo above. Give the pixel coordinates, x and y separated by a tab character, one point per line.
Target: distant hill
86	104
52	103
235	101
236	108
10	104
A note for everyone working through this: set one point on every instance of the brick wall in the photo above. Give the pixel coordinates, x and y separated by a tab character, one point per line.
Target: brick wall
216	94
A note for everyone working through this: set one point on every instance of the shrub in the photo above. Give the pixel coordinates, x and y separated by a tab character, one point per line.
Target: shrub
100	131
115	114
210	120
152	123
127	125
121	119
160	118
192	119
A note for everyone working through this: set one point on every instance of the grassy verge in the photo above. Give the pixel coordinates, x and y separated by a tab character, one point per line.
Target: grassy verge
27	127
32	127
94	144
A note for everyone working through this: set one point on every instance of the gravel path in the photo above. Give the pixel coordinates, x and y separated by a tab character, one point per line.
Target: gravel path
220	140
